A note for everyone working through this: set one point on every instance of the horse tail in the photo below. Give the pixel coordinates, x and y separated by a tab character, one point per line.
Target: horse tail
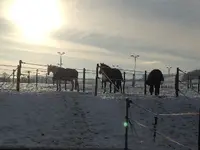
76	74
122	79
76	80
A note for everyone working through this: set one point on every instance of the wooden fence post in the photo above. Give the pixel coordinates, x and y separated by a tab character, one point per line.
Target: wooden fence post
198	84
191	86
36	79
124	83
177	82
19	75
29	77
199	132
96	80
188	81
65	85
145	79
13	79
46	79
83	79
154	127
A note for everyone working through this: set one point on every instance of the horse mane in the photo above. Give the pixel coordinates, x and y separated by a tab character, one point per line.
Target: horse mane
102	64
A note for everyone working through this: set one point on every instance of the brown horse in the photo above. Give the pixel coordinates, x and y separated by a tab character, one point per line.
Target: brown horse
111	75
66	74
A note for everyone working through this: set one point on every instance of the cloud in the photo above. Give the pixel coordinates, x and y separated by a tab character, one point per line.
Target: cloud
6	27
162	32
150	62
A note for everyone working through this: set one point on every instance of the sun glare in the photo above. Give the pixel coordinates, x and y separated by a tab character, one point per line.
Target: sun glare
36	18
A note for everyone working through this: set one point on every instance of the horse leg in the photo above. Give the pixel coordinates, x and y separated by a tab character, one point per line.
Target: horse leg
104	87
157	89
120	85
57	84
65	85
72	82
151	89
77	85
115	85
102	84
110	87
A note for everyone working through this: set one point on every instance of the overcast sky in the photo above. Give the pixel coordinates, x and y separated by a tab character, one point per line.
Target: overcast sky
163	32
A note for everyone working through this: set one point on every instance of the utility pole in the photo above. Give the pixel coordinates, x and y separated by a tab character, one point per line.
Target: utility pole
61	53
135	58
169	68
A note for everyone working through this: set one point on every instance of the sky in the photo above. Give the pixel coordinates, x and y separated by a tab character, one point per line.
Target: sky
162	32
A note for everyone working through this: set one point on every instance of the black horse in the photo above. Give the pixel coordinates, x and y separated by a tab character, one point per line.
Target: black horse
155	78
66	74
111	75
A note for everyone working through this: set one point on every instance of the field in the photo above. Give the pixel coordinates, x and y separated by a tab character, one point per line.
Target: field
45	118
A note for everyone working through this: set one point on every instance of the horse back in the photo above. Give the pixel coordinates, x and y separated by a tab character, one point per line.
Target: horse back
66	73
155	77
117	74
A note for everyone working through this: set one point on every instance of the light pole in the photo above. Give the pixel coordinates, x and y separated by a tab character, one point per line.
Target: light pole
61	53
135	58
169	70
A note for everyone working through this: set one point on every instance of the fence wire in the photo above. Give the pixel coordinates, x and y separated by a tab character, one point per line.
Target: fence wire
161	134
162	114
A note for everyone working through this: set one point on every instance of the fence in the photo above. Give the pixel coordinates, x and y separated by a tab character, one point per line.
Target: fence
34	76
161	116
30	75
183	83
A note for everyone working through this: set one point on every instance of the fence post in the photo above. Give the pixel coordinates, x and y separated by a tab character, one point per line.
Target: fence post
36	79
96	80
188	81
46	78
198	84
154	127
83	79
191	86
65	85
29	76
177	82
199	132
19	75
124	83
145	79
13	79
133	81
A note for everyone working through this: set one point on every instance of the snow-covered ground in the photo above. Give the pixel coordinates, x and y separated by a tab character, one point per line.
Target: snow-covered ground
46	118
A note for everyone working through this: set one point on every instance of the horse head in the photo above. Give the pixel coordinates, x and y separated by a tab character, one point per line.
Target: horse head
102	66
51	68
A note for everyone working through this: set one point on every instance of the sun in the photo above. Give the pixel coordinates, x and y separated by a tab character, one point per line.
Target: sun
36	18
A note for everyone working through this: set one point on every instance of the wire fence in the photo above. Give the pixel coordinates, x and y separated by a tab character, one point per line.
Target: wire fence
188	85
35	75
161	117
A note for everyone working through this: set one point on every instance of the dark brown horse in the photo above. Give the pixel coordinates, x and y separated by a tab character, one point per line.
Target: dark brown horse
154	80
111	75
66	74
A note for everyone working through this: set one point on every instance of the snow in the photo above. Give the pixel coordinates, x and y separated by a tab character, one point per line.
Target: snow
45	118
